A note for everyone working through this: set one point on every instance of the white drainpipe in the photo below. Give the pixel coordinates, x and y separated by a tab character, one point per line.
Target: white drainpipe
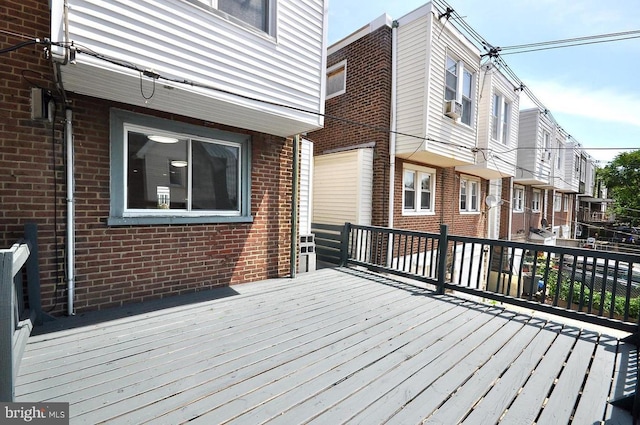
392	134
70	214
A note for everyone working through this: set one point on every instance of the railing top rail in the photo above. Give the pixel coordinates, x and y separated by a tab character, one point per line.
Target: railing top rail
395	231
20	251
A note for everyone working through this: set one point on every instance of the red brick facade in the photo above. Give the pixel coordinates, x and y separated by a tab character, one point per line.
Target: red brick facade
365	112
116	265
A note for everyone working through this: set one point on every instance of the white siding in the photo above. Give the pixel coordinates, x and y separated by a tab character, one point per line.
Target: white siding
184	42
498	159
531	167
422	49
343	184
306	186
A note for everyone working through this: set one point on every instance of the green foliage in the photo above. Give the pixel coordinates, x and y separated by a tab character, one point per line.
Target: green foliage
595	299
622	178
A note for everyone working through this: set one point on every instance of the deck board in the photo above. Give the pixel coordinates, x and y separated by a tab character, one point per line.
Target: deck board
332	346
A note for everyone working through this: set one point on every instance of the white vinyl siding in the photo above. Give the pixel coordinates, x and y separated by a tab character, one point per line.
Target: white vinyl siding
306	185
532	169
423	48
182	41
343	187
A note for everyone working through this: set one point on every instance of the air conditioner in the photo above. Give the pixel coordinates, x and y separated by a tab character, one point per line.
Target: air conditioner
546	156
453	109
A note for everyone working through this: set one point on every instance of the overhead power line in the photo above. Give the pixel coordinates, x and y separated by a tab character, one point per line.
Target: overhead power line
571	41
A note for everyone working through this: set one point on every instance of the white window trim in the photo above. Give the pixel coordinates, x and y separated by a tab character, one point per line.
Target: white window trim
340	65
212	6
460	69
535	203
470	181
419	170
518	199
498	122
557	202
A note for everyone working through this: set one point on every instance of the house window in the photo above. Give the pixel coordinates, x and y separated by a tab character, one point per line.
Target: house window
255	13
546	139
459	84
577	165
535	201
559	156
557	202
565	203
469	195
518	199
168	172
336	80
418	192
500	119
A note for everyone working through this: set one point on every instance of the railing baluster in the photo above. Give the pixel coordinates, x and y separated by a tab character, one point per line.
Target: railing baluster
614	288
480	264
627	298
603	291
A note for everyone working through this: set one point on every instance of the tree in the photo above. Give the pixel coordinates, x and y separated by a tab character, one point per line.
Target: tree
622	178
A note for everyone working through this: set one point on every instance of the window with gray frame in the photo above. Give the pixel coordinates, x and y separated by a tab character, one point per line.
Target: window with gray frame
165	170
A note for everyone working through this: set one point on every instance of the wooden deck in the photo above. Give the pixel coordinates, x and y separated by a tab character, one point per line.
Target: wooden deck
329	347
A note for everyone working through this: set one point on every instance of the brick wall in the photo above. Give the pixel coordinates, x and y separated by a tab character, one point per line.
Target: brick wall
117	265
447	206
367	101
366	108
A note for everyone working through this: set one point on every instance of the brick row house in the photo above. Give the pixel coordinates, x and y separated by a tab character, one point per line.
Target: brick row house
423	129
153	142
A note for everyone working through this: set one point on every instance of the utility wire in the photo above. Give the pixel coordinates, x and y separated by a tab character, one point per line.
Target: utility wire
572	40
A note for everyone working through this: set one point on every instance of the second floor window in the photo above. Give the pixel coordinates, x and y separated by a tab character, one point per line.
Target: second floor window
459	85
254	13
336	80
559	156
500	119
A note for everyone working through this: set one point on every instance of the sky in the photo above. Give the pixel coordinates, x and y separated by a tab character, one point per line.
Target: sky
592	91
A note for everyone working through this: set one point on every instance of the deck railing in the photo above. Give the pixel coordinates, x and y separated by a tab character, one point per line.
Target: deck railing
593	286
18	311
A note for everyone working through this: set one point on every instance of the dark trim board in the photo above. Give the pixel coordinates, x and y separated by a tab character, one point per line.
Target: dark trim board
333	346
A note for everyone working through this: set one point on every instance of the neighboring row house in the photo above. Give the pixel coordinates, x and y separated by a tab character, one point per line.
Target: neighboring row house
422	130
152	142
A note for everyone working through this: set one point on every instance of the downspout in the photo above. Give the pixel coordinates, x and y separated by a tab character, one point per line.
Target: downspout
510	221
394	126
70	214
392	135
294	206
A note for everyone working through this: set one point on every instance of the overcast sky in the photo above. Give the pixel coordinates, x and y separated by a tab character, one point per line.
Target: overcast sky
593	91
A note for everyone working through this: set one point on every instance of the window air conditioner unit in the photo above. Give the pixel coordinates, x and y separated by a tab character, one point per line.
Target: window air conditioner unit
453	109
546	156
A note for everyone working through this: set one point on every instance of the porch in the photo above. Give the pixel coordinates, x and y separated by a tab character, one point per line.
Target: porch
331	346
